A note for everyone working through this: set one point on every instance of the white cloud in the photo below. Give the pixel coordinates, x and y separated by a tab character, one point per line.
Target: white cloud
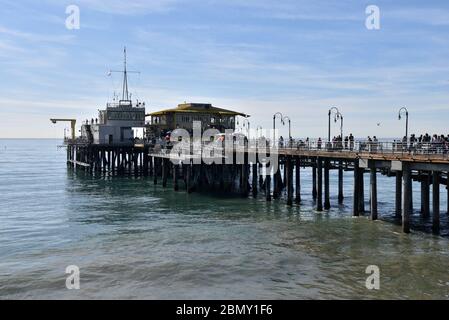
36	37
129	7
413	15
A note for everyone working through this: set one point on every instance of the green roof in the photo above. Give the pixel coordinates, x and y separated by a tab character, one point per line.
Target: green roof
198	108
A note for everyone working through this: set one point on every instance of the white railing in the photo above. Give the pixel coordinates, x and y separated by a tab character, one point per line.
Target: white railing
373	147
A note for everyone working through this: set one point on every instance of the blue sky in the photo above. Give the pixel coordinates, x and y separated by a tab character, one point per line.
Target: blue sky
297	57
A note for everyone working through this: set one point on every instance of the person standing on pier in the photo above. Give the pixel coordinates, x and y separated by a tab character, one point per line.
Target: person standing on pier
351	141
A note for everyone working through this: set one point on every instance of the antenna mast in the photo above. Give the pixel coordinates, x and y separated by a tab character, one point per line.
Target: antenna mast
125	93
125	79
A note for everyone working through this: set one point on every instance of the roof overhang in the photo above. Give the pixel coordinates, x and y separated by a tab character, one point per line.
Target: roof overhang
186	109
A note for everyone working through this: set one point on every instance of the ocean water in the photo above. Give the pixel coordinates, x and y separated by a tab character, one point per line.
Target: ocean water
133	240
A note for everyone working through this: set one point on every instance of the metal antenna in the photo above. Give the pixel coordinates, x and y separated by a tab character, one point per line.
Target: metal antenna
125	93
125	79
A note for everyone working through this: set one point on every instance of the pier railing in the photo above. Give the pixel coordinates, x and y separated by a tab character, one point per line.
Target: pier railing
440	149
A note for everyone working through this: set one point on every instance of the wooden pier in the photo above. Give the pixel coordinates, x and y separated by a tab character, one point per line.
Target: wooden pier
191	174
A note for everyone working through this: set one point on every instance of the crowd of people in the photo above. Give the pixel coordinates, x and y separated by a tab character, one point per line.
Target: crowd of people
427	139
337	143
437	143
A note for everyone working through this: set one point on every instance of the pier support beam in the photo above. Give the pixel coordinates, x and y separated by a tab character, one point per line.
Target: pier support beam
135	157
398	200
447	190
406	197
164	172
150	165
289	180
260	177
425	198
314	190
284	181
254	179
244	178
411	199
319	204
188	173
340	182
268	186
155	169
361	190
355	198
373	194
298	180
327	203
175	177
436	202
109	160
145	163
276	185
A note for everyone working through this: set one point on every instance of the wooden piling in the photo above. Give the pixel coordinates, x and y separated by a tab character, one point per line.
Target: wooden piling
175	177
103	160
327	204
314	190
355	198
289	180
268	186
164	172
276	186
319	204
425	197
361	190
284	180
373	194
188	172
447	191
244	179
298	180
436	202
340	182
398	199
254	179
156	169
136	156
406	197
421	180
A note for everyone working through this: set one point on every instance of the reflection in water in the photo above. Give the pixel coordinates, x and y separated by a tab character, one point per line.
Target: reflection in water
132	239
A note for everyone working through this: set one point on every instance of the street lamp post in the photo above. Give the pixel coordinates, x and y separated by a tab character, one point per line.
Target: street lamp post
341	126
404	109
289	128
277	114
338	116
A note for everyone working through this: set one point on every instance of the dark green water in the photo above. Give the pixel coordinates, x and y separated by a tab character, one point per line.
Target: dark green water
132	239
